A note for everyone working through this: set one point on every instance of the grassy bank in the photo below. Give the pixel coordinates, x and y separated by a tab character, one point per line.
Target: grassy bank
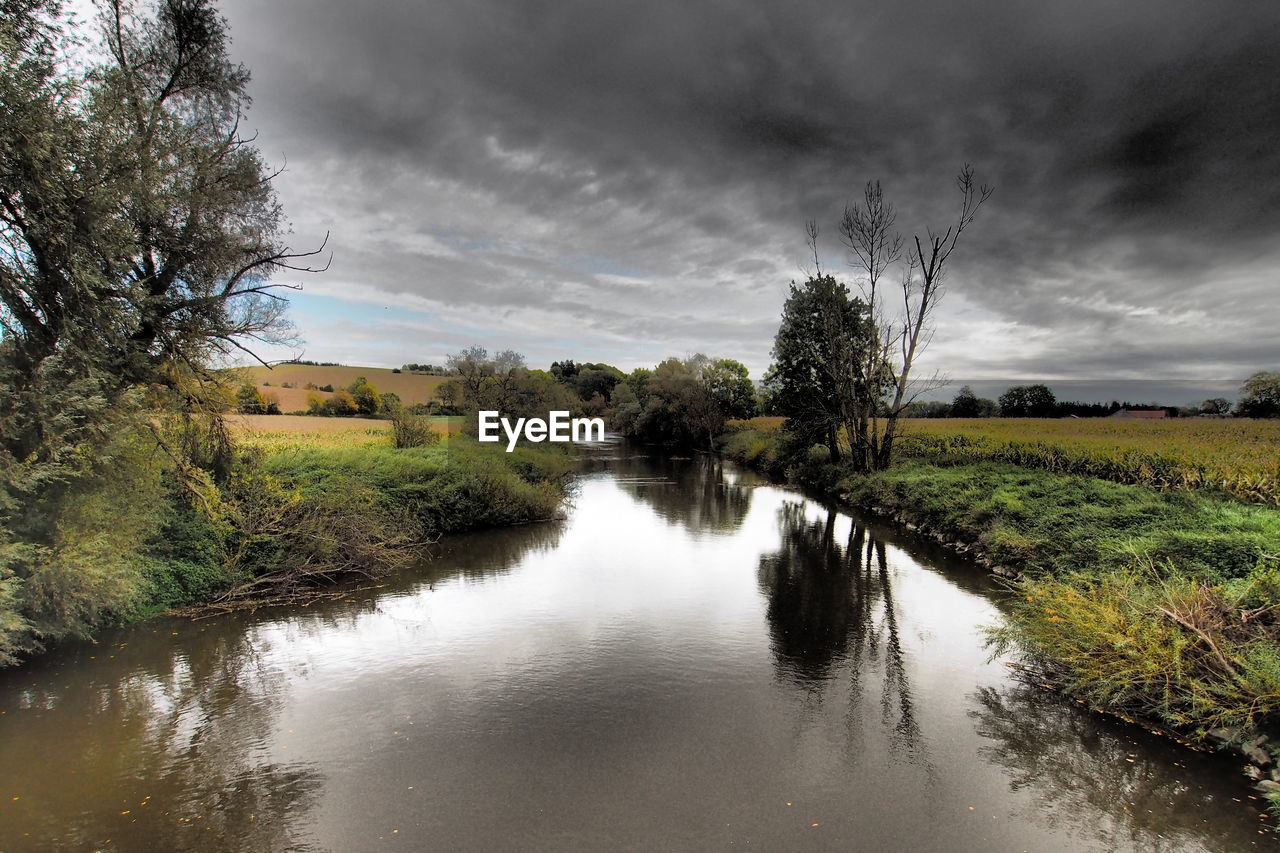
291	511
293	517
1152	602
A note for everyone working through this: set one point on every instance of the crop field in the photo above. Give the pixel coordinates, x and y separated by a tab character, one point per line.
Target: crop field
1239	456
287	432
412	388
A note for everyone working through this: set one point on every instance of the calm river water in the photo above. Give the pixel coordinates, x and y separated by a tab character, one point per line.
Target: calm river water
693	660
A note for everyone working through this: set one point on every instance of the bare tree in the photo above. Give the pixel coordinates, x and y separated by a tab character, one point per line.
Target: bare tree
885	367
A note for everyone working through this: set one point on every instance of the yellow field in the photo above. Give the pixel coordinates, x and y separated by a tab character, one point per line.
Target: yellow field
286	432
411	387
1237	456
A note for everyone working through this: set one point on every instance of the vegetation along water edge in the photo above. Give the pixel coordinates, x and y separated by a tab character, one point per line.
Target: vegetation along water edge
1152	599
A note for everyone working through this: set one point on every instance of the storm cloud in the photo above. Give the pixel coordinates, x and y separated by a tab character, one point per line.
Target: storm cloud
626	181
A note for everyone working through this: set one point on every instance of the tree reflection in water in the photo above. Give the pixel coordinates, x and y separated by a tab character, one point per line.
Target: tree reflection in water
176	753
702	495
832	618
1076	763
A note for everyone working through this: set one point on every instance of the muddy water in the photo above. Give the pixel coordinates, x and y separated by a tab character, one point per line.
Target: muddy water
693	660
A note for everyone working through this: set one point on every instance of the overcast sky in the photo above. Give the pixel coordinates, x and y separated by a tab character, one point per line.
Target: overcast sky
627	181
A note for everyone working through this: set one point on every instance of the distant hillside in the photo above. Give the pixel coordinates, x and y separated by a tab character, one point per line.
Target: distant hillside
411	387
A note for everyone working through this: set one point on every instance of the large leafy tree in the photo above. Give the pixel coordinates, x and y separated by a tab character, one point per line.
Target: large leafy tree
139	225
139	234
819	352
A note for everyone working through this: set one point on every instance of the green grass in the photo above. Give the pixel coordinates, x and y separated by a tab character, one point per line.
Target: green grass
1039	522
300	517
1162	603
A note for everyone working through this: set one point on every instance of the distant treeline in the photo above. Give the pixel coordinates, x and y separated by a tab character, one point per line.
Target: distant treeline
1038	401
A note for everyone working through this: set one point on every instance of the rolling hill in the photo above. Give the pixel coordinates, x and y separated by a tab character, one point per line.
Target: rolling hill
411	387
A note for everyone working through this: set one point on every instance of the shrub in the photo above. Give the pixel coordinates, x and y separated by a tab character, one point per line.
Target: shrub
409	430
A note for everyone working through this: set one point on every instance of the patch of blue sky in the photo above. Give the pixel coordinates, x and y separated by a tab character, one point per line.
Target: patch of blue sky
322	308
597	265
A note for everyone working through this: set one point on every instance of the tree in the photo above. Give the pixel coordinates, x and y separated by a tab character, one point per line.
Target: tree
868	229
819	360
729	383
484	382
590	380
250	401
969	405
342	404
564	371
1261	396
142	226
140	236
1028	401
1215	406
365	397
681	402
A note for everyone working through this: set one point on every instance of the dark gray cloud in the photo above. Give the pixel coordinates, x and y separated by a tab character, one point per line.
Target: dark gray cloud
621	181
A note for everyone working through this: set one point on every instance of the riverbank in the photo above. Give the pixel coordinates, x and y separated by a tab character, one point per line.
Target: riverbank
1159	605
282	516
303	517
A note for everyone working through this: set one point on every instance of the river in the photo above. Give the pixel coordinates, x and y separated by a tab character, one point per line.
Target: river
695	659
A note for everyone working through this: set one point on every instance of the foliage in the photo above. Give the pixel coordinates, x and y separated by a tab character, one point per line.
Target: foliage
410	430
141	230
365	397
1028	401
728	382
250	401
816	379
1150	640
682	402
341	404
74	563
141	225
1261	396
969	405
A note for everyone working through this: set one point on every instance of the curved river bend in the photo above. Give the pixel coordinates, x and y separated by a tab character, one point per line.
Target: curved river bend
694	660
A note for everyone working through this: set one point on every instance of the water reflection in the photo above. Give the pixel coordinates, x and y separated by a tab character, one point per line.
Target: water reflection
690	662
486	554
702	494
1140	791
831	610
160	742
